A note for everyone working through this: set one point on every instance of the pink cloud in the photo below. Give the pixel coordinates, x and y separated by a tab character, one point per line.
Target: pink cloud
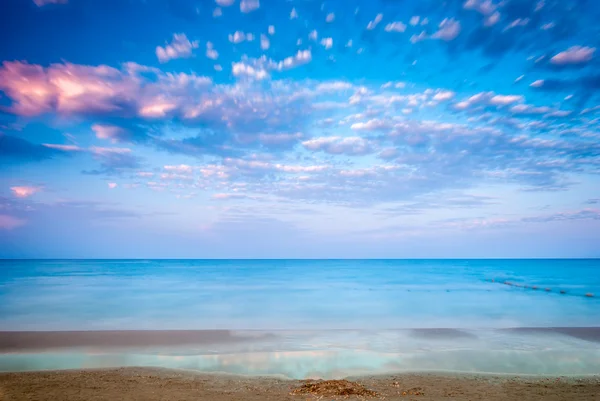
24	192
110	132
574	55
9	222
68	89
112	185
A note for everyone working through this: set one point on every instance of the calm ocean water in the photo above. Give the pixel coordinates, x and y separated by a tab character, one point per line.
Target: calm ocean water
312	318
295	294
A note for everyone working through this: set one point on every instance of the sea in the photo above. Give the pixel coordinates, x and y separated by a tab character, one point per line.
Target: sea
312	318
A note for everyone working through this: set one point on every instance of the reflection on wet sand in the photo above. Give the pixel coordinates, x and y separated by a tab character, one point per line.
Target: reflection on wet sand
327	354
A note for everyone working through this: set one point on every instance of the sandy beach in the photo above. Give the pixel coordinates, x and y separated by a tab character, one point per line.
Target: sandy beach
161	384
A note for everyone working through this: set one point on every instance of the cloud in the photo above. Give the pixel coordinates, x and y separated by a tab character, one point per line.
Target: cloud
574	55
488	99
211	53
10	223
584	214
327	43
181	169
333	86
265	43
113	160
373	24
395	26
504	100
339	145
495	223
24	191
180	47
247	6
260	68
112	185
114	134
229	196
242	69
537	83
225	3
443	95
448	30
240	36
41	3
485	7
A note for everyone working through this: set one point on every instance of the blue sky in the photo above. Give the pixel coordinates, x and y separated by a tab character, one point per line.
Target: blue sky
247	128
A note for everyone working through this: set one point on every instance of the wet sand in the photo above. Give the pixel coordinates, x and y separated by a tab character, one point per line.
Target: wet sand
15	341
160	384
11	341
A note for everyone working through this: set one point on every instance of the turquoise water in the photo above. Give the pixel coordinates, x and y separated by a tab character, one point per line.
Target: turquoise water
295	294
312	318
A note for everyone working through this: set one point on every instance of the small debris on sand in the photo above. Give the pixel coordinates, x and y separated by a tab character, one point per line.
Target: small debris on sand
333	388
412	391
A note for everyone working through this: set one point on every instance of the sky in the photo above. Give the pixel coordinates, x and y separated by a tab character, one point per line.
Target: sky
299	128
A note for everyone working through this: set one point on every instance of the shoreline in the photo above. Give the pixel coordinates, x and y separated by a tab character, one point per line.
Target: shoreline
18	340
159	383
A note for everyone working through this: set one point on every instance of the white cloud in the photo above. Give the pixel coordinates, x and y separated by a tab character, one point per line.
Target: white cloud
537	84
239	37
327	43
333	86
574	55
211	53
180	169
313	35
418	38
242	69
503	100
443	95
492	19
180	47
271	30
330	17
293	14
448	30
516	23
548	26
217	12
301	57
264	42
247	6
225	3
395	26
373	24
339	145
371	125
485	7
414	20
112	185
